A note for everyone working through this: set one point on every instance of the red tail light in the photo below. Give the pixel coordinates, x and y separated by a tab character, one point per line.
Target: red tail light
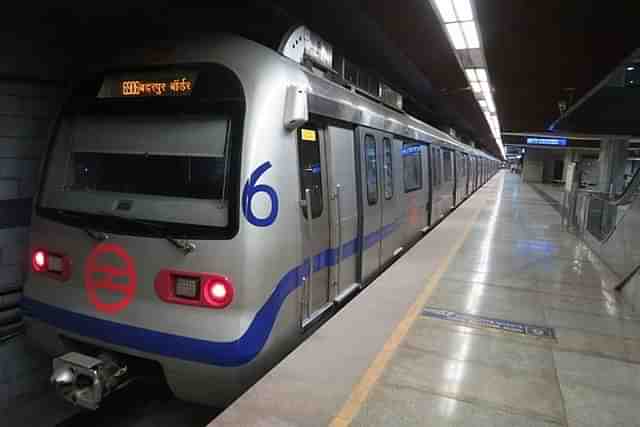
200	289
52	264
39	261
218	293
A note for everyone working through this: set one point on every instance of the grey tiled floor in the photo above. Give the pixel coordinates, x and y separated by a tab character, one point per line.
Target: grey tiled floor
517	264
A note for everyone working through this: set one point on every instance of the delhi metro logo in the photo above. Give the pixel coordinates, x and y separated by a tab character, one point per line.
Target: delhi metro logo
110	278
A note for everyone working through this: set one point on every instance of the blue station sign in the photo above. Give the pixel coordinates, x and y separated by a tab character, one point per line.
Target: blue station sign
556	142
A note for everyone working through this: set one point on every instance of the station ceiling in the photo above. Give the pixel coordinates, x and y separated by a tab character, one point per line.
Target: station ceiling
538	52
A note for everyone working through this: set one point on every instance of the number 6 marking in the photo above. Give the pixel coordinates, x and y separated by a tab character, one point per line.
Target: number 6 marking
251	189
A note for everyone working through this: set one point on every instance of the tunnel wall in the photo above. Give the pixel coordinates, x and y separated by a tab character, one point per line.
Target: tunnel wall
27	110
33	71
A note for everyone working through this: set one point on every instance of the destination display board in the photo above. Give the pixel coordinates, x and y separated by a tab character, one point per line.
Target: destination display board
148	84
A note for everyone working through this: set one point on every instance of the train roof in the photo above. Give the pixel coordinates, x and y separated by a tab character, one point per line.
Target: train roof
332	99
325	97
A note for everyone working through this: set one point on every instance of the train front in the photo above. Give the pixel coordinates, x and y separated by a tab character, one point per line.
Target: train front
133	256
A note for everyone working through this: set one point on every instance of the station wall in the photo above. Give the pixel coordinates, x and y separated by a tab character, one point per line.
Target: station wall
32	90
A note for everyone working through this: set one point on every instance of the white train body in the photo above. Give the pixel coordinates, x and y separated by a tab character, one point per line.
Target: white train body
171	223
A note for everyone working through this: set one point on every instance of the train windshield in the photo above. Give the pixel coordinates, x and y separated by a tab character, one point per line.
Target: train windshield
159	146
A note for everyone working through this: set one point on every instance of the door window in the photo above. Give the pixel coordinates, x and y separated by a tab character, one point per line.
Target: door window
388	169
412	163
437	167
371	169
447	166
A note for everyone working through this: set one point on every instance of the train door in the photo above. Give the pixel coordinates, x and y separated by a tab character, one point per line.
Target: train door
315	212
472	174
341	159
467	179
426	189
415	186
391	191
475	172
448	179
371	213
437	209
484	171
459	167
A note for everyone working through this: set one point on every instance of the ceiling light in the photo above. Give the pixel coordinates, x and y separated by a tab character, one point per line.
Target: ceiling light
471	74
631	68
482	74
471	34
485	87
476	87
445	7
491	105
483	103
463	10
455	32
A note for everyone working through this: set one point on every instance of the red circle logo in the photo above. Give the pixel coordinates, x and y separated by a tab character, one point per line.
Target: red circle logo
101	275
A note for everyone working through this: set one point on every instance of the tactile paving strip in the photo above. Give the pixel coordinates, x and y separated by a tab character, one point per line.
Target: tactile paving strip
488	322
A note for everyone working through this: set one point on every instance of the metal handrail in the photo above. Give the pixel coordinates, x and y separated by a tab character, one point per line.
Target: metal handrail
627	195
339	231
309	293
626	198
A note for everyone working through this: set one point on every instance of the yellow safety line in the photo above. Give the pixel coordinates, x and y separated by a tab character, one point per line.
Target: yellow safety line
361	391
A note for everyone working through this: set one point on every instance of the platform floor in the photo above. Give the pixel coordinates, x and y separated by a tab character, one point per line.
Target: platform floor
504	256
516	264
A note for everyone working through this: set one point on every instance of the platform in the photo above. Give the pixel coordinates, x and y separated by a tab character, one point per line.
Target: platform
496	318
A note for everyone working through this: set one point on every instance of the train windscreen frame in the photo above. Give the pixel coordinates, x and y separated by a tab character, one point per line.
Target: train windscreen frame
187	187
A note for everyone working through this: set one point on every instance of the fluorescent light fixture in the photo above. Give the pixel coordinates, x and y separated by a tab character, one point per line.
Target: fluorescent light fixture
487	96
471	34
463	10
471	74
491	105
483	103
482	74
631	68
445	7
485	88
455	33
476	87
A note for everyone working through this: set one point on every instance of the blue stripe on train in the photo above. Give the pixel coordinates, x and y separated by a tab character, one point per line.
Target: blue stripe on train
230	353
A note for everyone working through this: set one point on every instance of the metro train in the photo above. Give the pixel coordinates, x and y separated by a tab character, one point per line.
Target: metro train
202	209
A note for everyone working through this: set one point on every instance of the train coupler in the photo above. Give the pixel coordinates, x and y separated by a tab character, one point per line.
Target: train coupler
85	380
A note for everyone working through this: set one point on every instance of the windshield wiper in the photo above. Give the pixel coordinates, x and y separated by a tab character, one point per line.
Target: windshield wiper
94	234
184	245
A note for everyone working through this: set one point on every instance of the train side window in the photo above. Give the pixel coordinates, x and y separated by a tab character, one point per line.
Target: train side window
372	169
412	165
388	169
310	170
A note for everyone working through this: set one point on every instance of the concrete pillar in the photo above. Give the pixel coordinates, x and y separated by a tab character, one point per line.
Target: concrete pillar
532	168
568	158
612	159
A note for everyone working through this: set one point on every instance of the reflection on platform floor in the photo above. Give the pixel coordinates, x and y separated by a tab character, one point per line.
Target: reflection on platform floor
517	264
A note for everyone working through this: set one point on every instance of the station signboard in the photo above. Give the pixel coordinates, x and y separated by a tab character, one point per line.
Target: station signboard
553	142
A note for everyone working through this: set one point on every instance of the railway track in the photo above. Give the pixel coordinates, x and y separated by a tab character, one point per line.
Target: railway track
143	404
